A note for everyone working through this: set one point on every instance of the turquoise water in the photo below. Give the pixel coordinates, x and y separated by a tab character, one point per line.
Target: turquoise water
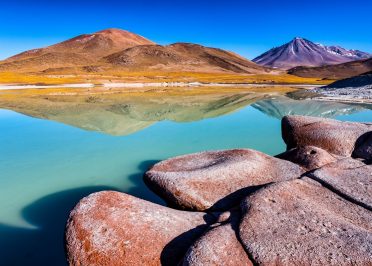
47	166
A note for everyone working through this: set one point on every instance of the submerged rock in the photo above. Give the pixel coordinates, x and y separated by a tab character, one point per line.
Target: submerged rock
217	179
112	228
299	222
309	157
333	136
350	177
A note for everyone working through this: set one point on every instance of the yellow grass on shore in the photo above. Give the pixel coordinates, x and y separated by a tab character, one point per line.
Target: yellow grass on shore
108	77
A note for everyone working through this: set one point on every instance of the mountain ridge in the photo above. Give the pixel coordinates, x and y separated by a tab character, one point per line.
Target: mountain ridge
115	49
302	52
338	71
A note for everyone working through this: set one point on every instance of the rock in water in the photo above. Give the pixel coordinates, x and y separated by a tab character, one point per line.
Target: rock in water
286	217
217	179
309	157
350	177
112	228
333	136
299	222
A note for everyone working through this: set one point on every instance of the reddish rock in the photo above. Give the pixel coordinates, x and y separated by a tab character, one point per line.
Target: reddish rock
333	136
112	228
299	222
217	179
352	178
309	157
218	246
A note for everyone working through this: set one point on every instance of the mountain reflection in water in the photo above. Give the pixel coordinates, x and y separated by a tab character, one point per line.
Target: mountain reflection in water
125	114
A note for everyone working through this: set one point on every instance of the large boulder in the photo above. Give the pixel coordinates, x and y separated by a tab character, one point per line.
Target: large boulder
299	222
349	177
218	246
112	228
218	179
309	157
333	136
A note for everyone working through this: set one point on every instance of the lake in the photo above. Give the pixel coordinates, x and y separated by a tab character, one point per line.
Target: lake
54	151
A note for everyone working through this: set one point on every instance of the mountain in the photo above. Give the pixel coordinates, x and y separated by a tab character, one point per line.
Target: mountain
339	71
116	49
79	51
182	57
98	44
302	52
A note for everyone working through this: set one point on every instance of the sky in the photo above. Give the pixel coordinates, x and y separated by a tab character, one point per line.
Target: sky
246	27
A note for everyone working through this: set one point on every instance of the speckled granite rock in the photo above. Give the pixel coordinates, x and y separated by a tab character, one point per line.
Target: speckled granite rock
309	157
331	135
349	177
299	222
216	179
112	228
218	246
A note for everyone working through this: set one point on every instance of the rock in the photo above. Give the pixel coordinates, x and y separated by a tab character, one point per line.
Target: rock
364	147
112	228
333	136
218	246
309	157
299	222
352	178
216	180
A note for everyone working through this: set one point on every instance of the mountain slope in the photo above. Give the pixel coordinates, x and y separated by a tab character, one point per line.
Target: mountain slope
302	52
183	56
82	50
339	71
97	44
353	82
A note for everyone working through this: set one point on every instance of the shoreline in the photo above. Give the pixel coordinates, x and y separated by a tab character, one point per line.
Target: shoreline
342	100
150	84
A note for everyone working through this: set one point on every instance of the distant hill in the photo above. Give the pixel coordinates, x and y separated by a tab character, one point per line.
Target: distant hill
182	56
353	82
339	71
115	49
302	52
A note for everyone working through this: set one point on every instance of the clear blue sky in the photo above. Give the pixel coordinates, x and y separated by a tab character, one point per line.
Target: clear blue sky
246	27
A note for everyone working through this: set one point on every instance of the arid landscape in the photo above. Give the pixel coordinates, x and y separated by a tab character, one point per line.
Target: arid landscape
118	58
196	133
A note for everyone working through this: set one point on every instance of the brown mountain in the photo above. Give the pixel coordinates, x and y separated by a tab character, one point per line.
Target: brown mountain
79	51
97	44
115	49
339	71
182	56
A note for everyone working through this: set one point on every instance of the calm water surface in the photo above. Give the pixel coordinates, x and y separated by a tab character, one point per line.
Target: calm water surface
47	166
